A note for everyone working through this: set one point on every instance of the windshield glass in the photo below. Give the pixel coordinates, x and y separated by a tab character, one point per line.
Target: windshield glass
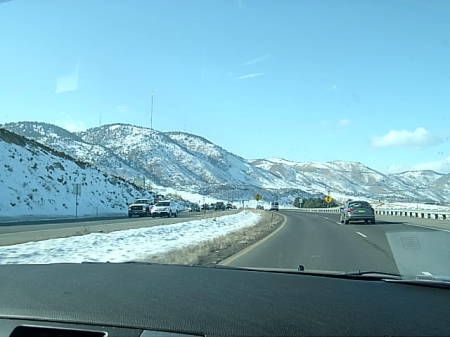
142	201
359	204
271	115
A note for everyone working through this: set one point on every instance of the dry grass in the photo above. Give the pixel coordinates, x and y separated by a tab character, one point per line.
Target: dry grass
218	249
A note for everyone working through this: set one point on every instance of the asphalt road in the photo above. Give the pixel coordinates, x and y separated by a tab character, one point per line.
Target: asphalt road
80	222
320	242
11	234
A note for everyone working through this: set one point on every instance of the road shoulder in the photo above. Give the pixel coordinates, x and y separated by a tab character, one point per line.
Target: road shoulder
217	250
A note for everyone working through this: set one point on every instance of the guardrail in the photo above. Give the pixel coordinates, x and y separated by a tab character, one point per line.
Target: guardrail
415	213
410	213
319	210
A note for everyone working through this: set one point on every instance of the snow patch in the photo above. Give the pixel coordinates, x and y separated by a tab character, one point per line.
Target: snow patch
126	245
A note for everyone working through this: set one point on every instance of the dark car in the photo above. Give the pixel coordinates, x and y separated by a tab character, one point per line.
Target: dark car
229	206
357	211
220	206
274	206
205	207
195	208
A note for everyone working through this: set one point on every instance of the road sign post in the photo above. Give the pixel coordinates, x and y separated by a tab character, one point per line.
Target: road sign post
77	192
328	199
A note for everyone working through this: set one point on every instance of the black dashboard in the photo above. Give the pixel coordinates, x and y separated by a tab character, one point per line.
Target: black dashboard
96	300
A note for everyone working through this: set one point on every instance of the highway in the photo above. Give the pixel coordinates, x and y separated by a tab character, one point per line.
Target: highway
14	233
320	242
17	227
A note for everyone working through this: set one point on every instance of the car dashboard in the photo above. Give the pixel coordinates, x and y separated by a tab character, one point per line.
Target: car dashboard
150	300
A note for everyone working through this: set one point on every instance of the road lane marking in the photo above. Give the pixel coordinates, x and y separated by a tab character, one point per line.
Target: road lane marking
361	234
421	226
232	258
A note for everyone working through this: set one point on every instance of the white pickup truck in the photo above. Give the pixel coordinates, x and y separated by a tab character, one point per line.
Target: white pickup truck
165	208
140	207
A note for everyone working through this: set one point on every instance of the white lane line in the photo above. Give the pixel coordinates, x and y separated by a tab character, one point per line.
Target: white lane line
361	234
432	228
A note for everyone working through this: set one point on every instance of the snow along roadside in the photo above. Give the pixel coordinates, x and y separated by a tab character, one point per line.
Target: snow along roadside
126	245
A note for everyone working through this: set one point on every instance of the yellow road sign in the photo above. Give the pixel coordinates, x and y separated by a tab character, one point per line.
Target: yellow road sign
328	199
258	197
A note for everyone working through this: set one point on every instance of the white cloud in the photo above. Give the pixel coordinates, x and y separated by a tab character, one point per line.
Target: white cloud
68	82
344	122
417	138
243	77
257	59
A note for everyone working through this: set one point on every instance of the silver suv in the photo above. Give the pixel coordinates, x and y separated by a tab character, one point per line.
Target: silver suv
357	211
165	208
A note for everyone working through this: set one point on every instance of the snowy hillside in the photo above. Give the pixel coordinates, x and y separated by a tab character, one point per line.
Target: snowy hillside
186	162
180	161
234	169
353	179
422	179
38	181
64	141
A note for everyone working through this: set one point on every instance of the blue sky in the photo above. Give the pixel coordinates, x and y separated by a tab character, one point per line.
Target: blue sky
311	80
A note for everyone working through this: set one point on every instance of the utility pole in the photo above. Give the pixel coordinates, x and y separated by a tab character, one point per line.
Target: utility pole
151	112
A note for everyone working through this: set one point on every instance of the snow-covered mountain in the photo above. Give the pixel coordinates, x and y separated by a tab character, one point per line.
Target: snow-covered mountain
178	160
188	162
436	186
70	143
353	179
191	163
36	180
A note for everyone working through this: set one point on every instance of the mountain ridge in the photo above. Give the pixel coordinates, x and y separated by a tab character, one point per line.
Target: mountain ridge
193	163
37	180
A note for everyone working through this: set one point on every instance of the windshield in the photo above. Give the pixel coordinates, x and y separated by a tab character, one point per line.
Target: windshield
142	201
318	128
359	204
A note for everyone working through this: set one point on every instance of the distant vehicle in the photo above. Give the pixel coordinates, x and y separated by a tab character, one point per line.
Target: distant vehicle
354	210
260	207
195	208
159	197
234	207
165	208
220	206
140	207
205	207
229	206
274	206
